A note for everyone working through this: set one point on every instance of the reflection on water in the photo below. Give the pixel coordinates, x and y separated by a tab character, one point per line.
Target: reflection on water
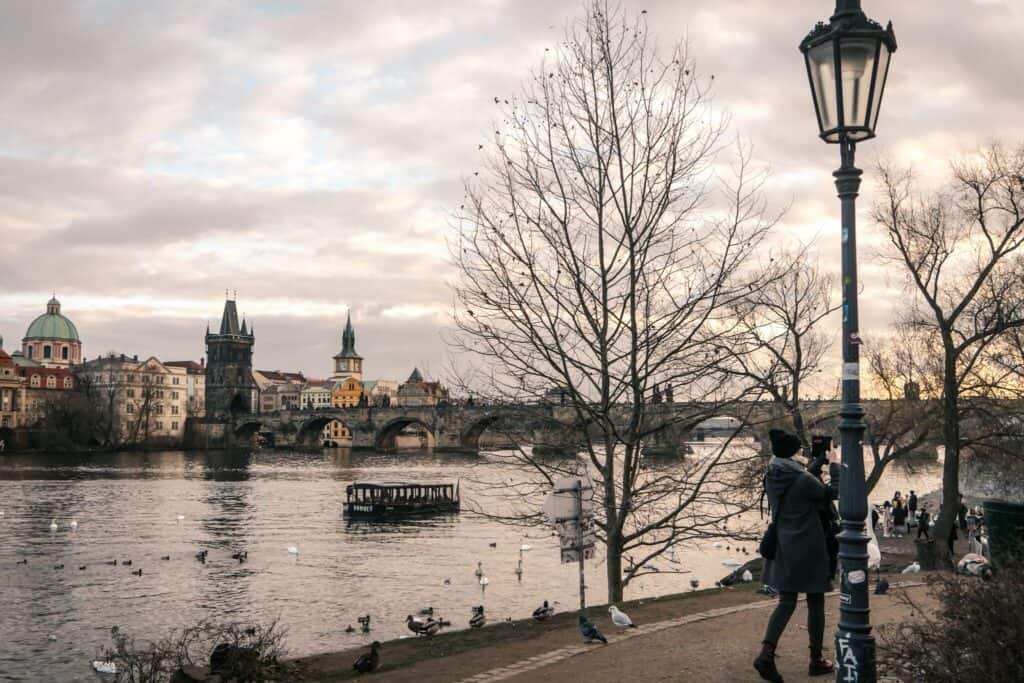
127	507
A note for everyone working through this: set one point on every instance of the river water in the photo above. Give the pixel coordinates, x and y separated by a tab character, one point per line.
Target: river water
53	621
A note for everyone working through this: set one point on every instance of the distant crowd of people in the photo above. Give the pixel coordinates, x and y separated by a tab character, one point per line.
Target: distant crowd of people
898	516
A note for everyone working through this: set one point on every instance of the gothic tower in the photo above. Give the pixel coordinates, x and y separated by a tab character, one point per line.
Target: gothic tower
229	382
348	363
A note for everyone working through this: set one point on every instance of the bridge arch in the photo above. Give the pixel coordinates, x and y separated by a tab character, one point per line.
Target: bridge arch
469	440
246	431
386	438
311	430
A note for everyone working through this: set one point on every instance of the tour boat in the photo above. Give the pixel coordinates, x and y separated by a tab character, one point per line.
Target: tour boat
385	499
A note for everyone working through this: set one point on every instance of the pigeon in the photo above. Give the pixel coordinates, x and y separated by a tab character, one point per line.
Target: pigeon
478	619
368	661
620	618
694	583
747	576
590	632
882	587
543	612
912	568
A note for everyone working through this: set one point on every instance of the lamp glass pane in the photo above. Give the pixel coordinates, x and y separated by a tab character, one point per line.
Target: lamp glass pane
821	62
857	62
883	70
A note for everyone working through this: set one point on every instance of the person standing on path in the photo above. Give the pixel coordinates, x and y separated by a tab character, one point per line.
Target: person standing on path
912	508
801	564
899	519
924	523
961	514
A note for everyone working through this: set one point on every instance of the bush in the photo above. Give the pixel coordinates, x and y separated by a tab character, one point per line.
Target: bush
246	653
974	635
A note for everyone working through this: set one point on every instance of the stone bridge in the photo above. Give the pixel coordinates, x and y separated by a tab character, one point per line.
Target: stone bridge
548	427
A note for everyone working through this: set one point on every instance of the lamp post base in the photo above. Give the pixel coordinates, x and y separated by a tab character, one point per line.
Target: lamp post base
855	658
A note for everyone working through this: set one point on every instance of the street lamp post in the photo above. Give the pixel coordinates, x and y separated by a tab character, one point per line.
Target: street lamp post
847	63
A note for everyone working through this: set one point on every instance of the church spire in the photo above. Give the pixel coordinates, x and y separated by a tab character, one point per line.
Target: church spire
348	340
229	321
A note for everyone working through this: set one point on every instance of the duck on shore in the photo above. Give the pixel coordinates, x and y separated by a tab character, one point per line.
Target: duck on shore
368	661
543	612
478	619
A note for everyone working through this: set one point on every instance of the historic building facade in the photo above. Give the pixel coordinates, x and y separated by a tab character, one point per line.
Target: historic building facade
145	402
12	393
195	384
416	391
52	340
230	387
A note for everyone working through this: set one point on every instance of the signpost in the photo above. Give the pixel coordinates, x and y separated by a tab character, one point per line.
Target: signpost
570	509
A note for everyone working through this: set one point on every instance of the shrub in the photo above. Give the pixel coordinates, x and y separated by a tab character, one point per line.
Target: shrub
973	636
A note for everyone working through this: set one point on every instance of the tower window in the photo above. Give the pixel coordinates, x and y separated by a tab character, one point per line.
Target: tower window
47	352
30	349
64	352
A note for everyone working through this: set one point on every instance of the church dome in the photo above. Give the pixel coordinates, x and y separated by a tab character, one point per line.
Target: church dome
52	325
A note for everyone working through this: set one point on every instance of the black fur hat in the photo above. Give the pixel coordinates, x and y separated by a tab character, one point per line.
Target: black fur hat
784	444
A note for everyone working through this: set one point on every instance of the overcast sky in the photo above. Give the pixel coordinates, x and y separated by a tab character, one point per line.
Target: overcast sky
307	155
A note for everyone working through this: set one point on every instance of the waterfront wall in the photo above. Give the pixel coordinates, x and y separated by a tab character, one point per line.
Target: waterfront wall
993	477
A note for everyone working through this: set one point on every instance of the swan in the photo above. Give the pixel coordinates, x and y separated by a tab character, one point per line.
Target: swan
523	548
104	667
74	524
53	525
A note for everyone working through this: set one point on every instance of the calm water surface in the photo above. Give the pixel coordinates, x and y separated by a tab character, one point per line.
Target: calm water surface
127	507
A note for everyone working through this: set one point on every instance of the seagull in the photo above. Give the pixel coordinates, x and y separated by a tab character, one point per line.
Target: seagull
53	525
479	569
368	661
590	632
747	576
74	524
543	612
293	550
478	619
912	568
620	618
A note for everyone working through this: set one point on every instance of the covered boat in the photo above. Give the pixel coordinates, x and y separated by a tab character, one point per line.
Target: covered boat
390	498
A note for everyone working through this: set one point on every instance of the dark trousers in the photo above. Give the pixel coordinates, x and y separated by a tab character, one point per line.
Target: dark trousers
815	620
923	529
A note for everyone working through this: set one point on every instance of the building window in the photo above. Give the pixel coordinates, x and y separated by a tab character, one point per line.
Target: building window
131	378
129	407
35	380
47	351
159	424
29	350
174	426
159	409
51	382
67	382
174	410
174	380
131	393
64	352
174	394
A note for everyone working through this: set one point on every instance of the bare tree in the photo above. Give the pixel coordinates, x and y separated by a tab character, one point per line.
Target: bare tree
782	345
960	249
598	254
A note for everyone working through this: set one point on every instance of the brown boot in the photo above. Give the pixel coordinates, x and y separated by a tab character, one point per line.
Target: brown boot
765	664
820	667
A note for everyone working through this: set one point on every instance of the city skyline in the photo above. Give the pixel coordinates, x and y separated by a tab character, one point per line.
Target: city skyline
309	156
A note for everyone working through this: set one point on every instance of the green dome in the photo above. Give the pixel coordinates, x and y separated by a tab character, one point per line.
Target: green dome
52	326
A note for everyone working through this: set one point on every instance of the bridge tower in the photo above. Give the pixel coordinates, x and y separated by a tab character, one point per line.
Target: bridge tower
229	382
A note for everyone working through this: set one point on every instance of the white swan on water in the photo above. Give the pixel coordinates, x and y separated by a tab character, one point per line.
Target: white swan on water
53	525
732	563
181	517
293	550
104	667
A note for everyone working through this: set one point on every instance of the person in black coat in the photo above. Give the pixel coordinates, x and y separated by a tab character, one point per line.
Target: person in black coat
796	497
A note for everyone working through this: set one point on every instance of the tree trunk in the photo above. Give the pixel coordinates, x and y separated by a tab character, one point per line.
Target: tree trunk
951	466
614	569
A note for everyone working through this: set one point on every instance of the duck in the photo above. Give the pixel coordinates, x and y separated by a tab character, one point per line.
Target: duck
241	556
478	619
523	548
350	629
479	569
53	525
368	661
694	584
427	612
364	623
493	545
111	562
137	572
180	518
447	582
431	628
74	524
81	568
58	566
201	556
543	612
166	557
22	561
519	569
126	563
414	624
